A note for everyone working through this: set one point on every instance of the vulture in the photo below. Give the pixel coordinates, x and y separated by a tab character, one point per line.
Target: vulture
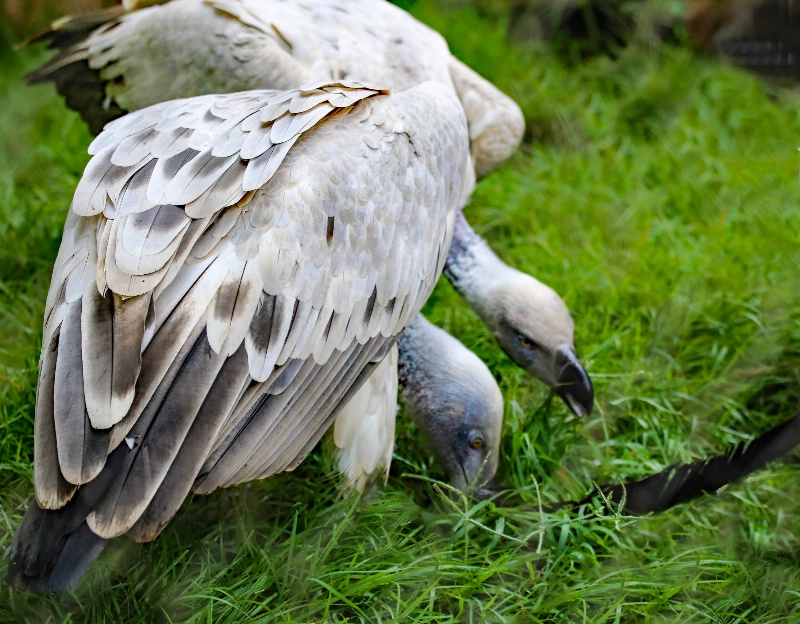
120	60
236	265
233	267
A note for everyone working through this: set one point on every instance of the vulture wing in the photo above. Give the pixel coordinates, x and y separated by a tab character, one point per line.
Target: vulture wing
232	268
185	48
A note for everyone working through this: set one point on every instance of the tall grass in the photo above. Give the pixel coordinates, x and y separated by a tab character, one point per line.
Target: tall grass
658	193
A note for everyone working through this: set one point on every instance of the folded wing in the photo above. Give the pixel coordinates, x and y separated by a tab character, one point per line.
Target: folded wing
233	267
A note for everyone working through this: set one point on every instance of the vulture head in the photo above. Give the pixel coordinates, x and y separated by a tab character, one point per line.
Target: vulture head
528	319
534	327
463	421
456	402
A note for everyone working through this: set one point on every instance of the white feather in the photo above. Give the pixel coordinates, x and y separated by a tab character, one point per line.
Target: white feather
364	428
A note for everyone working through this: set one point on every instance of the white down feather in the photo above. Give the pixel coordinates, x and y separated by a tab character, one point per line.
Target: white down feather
364	428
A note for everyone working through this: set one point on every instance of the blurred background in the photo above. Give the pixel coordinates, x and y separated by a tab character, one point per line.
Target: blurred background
22	19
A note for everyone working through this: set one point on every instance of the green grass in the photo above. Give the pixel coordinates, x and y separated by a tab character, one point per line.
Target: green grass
659	194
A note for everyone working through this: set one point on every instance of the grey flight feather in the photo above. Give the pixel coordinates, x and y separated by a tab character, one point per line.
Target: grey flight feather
177	483
132	197
297	419
82	449
177	334
343	392
111	340
52	489
158	435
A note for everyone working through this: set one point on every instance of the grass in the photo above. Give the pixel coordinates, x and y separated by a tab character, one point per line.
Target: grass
659	194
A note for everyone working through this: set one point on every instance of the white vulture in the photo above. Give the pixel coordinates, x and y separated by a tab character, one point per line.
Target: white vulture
203	323
117	61
232	268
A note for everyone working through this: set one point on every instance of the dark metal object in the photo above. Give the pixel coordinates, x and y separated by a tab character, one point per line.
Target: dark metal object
771	46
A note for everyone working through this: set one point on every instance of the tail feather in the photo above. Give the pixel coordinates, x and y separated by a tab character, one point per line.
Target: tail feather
45	558
684	482
53	547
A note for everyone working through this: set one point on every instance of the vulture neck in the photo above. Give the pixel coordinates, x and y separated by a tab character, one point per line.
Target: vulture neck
435	370
474	269
417	365
430	365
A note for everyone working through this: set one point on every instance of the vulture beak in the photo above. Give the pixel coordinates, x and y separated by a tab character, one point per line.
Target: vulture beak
479	481
573	383
488	490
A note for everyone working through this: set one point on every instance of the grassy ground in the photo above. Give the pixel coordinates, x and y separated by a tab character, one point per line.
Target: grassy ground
658	193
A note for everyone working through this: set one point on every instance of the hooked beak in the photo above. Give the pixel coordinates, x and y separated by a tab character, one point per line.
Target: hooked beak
573	383
490	488
479	482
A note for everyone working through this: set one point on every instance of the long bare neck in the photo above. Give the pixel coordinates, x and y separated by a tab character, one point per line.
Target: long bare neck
474	269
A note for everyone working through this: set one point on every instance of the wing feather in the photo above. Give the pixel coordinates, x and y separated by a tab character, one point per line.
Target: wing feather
262	168
158	434
247	426
132	197
177	483
268	332
305	317
169	143
52	490
225	191
197	177
256	141
146	241
233	306
245	447
167	167
298	425
112	329
100	179
164	370
82	449
134	148
183	324
321	413
292	125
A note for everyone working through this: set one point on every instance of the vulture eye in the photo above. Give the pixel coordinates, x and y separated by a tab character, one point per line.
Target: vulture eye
526	342
476	442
